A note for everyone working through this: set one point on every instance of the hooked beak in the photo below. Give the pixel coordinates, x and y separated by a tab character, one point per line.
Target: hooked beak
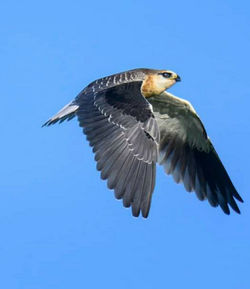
177	78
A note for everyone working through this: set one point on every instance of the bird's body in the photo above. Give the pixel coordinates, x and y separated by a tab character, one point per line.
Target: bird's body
132	123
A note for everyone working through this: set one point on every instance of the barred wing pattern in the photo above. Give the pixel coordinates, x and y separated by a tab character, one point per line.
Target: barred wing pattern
123	132
187	153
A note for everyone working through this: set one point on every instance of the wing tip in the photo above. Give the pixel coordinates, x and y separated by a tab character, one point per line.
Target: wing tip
66	113
136	213
50	122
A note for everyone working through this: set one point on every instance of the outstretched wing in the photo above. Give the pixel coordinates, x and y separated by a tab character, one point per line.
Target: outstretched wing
187	153
123	132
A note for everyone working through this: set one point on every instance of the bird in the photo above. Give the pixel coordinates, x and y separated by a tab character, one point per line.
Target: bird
133	123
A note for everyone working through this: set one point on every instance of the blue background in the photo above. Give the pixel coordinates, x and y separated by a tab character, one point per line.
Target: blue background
60	226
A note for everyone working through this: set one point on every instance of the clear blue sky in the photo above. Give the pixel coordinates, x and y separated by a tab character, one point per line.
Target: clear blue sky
60	226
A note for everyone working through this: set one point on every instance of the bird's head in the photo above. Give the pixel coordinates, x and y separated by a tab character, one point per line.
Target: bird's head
158	81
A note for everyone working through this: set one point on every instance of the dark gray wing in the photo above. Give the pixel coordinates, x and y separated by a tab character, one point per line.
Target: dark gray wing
187	153
123	132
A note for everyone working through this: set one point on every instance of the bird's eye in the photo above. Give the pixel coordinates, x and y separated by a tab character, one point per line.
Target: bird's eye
166	74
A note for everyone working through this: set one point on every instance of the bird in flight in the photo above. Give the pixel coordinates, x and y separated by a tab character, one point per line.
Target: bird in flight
132	123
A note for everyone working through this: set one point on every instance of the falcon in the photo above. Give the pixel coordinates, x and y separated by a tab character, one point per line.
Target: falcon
132	123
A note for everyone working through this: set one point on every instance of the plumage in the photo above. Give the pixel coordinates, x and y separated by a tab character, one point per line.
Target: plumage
132	123
184	139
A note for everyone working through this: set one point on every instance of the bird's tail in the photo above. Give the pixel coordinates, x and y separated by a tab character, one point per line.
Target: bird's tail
67	112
